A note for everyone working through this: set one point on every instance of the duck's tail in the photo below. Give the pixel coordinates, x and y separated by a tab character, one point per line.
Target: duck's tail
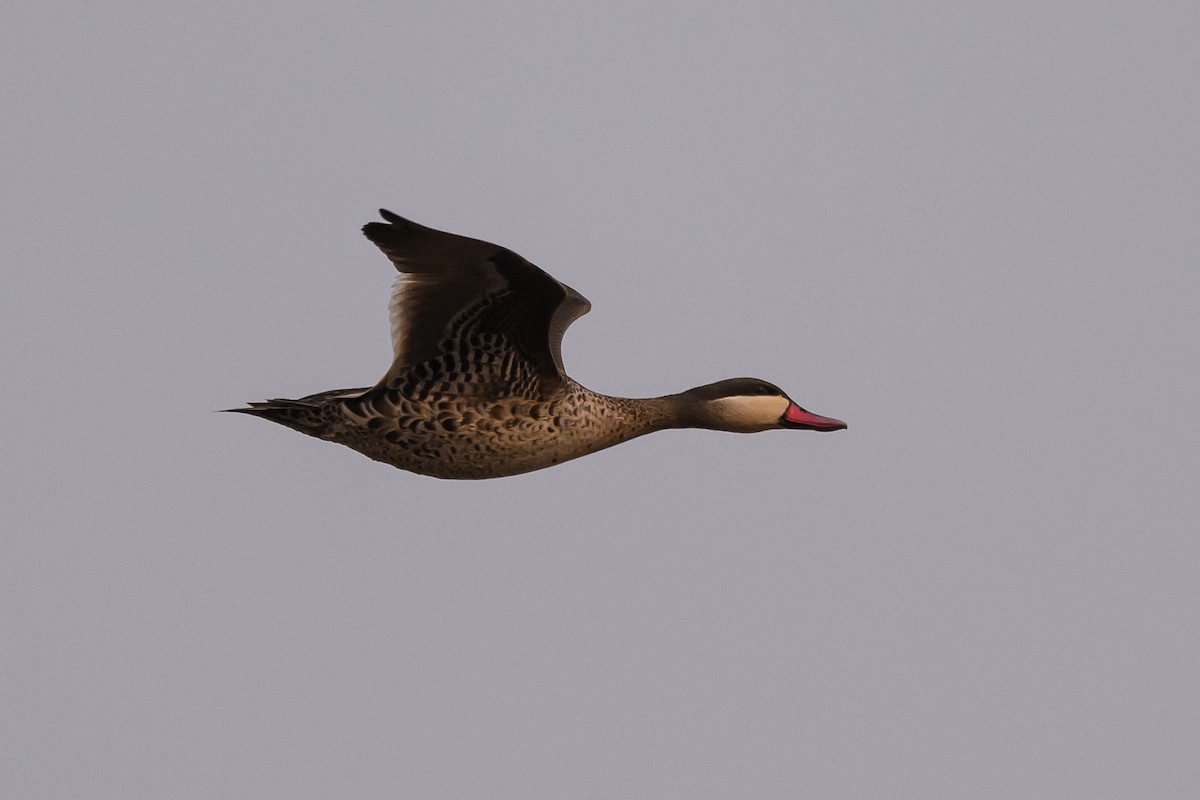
300	415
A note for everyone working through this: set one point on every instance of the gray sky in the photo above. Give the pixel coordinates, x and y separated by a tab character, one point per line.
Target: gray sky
970	230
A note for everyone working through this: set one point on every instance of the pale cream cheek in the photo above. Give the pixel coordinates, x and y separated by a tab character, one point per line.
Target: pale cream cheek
749	414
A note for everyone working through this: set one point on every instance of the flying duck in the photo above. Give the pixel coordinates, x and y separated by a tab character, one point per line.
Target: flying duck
477	387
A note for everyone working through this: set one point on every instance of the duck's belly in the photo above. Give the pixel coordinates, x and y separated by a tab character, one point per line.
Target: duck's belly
484	441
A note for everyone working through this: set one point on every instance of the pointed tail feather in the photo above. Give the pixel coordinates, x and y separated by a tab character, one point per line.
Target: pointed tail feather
298	415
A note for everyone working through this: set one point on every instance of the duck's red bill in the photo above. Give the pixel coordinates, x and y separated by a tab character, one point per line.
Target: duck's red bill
797	417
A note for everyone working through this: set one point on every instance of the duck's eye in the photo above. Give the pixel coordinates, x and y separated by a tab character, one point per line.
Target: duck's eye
762	388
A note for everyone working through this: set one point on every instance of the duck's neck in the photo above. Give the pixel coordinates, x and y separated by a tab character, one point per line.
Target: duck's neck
629	417
659	413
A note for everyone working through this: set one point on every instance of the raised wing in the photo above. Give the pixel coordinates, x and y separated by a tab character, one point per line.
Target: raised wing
457	297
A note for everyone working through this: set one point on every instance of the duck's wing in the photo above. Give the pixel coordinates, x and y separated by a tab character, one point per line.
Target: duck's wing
458	296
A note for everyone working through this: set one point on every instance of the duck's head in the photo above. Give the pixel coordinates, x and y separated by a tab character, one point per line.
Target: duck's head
748	405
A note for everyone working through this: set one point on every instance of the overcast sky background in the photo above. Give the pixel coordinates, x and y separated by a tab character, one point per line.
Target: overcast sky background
968	229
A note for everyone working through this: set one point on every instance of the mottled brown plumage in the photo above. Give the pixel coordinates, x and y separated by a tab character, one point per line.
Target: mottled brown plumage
477	387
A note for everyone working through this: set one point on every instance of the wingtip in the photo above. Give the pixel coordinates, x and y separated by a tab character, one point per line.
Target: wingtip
380	232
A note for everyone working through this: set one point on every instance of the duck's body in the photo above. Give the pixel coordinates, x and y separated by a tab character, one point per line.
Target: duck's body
477	388
449	436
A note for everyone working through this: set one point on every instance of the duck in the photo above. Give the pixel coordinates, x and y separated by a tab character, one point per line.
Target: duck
477	389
